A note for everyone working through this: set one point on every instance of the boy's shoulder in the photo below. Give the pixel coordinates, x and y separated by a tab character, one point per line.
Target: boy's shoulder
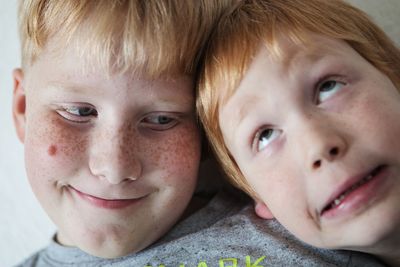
32	260
234	236
226	232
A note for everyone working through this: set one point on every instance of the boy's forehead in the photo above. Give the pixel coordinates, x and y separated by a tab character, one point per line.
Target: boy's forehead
78	57
288	52
61	81
62	71
283	57
311	49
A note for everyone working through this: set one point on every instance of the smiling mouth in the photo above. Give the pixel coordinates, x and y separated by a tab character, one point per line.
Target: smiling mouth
107	203
342	196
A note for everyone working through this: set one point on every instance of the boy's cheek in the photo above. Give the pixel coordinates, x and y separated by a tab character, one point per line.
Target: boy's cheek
180	153
51	145
380	135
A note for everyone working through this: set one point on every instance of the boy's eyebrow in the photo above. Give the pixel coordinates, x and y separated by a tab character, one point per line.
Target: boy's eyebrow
70	87
313	55
86	89
248	104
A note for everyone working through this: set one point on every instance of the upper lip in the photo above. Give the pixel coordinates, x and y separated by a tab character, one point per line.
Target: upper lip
346	185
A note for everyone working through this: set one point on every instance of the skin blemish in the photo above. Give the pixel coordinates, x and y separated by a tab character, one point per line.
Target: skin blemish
52	150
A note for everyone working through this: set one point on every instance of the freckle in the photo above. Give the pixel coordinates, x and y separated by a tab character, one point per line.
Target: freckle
52	150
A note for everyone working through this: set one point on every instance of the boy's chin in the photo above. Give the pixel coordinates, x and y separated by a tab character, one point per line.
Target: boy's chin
370	236
109	248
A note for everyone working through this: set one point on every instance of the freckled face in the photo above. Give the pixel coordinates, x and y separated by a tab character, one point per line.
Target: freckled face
113	161
317	138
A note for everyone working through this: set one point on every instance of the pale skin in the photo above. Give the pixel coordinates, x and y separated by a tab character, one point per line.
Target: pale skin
317	137
113	160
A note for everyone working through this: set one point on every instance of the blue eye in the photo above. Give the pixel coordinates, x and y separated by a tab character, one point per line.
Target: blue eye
328	88
159	122
158	119
76	113
81	111
265	137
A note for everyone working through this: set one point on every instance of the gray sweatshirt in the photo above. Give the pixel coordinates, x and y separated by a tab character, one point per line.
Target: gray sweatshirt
225	233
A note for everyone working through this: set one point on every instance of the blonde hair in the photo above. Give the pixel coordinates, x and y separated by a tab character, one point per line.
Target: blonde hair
237	39
151	37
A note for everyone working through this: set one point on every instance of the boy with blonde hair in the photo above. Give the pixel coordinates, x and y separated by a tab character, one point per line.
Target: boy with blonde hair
301	102
104	104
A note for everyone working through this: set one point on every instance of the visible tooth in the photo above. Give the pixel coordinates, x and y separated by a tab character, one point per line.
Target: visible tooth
338	200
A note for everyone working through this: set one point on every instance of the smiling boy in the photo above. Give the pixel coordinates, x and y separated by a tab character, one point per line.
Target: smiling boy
105	108
308	122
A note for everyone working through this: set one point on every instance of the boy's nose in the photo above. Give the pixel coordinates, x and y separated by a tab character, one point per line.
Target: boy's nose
324	144
327	153
115	159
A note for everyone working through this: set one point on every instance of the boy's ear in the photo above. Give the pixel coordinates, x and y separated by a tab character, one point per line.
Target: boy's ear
262	210
19	104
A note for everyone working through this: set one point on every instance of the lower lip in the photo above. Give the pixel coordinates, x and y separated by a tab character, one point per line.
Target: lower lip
104	203
360	198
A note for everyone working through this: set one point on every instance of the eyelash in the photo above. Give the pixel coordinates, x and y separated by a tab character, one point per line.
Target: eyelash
67	113
327	78
152	121
256	141
157	126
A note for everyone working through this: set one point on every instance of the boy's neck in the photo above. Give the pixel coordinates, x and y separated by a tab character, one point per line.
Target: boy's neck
389	252
392	258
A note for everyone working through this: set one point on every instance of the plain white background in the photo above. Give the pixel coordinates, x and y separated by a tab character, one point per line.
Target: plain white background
24	227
